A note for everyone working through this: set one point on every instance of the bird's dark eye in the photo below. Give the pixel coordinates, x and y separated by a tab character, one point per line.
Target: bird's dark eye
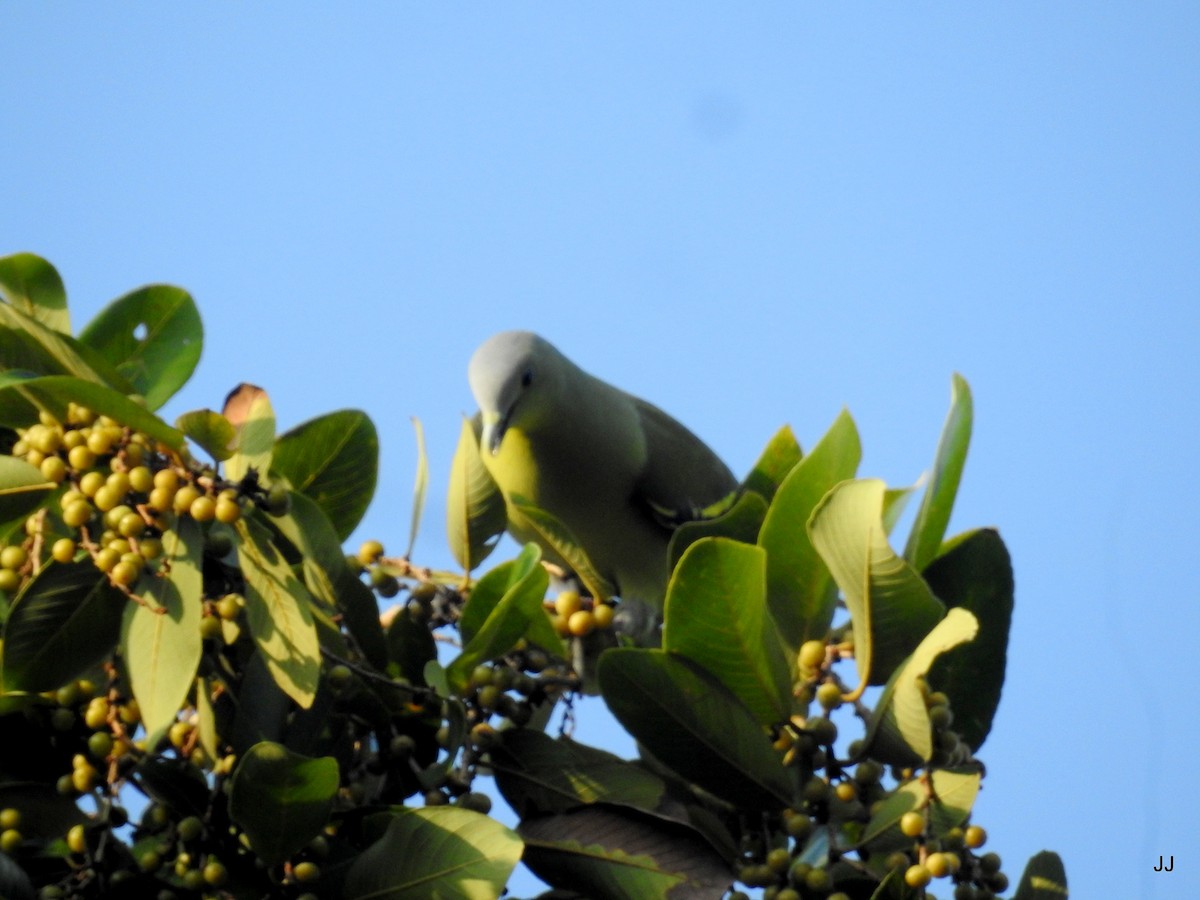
527	377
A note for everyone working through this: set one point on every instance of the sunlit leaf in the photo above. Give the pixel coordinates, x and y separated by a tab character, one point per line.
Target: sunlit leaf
29	344
22	488
152	336
210	430
800	589
248	409
565	544
740	522
281	799
277	610
21	398
716	616
891	607
33	286
934	515
777	460
160	637
444	852
334	460
475	510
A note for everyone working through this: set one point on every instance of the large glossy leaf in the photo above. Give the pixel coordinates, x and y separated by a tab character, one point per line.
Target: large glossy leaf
1044	878
152	336
741	522
695	726
211	431
504	606
538	774
328	577
925	539
901	717
21	398
64	621
248	409
281	799
476	514
949	806
800	589
160	637
39	348
717	616
778	458
891	607
974	572
277	610
334	459
33	286
443	852
615	852
22	488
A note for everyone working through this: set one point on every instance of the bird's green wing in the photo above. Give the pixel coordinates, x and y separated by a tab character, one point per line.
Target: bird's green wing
475	510
682	480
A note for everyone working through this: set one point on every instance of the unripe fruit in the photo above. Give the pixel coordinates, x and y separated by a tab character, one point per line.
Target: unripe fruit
161	499
603	614
108	497
100	441
167	479
190	828
829	695
96	714
184	497
974	837
306	871
229	606
124	573
10	818
480	803
54	469
279	500
812	654
778	860
202	509
63	550
77	839
81	459
84	778
917	876
227	511
567	603
369	552
13	557
131	525
845	791
149	861
9	581
581	622
912	824
10	840
210	628
100	745
150	548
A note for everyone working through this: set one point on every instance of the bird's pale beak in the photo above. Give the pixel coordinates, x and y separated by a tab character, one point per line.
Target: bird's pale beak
493	432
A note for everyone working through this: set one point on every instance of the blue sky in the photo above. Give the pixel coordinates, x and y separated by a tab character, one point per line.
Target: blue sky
751	217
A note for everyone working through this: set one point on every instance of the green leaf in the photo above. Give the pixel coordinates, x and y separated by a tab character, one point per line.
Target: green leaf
248	409
206	721
608	851
741	522
504	606
442	852
476	514
800	590
160	637
953	797
210	430
328	577
21	398
901	712
934	515
717	616
277	610
33	286
975	573
778	458
28	344
152	336
1044	878
695	726
891	607
22	488
65	621
565	544
334	459
420	483
538	774
281	799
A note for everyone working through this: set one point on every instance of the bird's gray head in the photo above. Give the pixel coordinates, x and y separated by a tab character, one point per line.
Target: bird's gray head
513	375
